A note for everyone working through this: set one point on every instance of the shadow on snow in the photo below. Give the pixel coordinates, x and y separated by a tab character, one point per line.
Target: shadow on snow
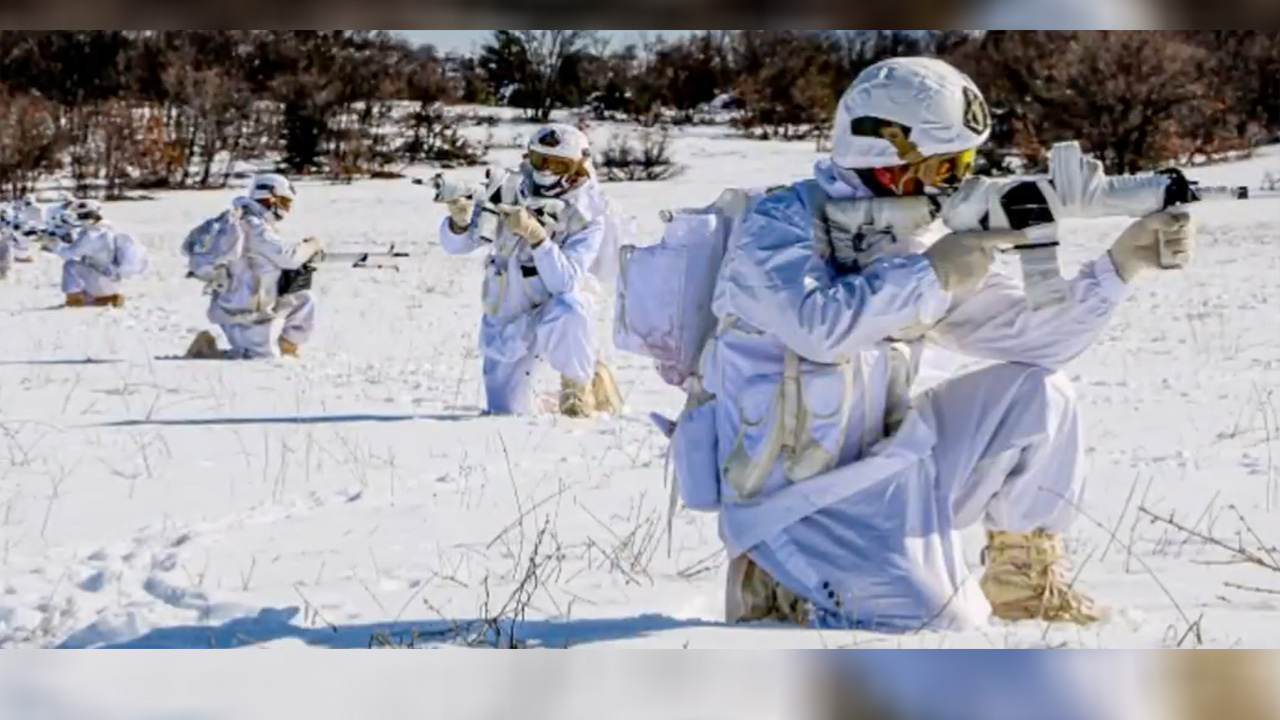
74	361
290	420
273	624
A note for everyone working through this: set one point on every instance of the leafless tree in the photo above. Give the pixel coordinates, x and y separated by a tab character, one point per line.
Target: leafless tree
30	141
1135	99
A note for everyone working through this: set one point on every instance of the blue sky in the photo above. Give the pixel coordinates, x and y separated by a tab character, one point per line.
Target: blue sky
466	40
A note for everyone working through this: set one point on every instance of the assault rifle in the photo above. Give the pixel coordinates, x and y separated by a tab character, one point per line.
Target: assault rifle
1075	187
501	186
363	258
292	281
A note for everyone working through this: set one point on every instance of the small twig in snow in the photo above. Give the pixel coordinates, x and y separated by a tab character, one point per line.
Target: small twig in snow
1237	550
1251	588
315	611
1123	511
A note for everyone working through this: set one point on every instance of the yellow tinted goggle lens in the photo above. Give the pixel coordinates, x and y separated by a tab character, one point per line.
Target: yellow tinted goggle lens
965	162
551	164
955	168
950	169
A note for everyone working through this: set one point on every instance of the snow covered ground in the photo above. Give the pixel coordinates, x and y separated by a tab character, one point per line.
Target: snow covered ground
354	497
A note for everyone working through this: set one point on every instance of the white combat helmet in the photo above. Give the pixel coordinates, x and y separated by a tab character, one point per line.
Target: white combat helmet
61	223
83	211
939	109
556	156
277	192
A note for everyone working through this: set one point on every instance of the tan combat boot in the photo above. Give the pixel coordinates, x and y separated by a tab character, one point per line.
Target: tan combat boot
576	399
752	594
1027	579
604	390
288	348
75	300
108	301
203	347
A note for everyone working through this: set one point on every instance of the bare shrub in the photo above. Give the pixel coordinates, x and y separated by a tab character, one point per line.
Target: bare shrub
435	136
1150	97
536	70
107	142
30	141
642	156
122	109
1271	181
788	90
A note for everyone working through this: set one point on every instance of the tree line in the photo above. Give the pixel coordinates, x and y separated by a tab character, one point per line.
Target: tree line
120	110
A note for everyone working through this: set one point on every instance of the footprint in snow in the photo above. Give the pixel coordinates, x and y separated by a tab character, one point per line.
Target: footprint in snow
164	563
96	581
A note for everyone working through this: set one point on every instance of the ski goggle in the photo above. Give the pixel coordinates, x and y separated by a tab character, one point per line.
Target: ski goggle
553	164
281	204
946	170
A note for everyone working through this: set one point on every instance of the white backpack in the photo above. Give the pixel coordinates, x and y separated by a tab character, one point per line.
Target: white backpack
663	312
665	290
130	258
617	229
213	244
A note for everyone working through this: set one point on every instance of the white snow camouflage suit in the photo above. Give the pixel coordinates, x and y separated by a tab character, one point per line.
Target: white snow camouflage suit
861	521
249	308
89	262
539	303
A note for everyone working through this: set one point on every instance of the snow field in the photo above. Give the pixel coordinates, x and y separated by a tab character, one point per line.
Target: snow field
354	498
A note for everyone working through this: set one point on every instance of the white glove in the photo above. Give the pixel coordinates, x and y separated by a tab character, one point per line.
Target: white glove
522	223
1138	247
459	214
315	247
961	260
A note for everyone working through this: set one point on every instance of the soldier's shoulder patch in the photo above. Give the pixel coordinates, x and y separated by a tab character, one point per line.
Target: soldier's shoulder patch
977	116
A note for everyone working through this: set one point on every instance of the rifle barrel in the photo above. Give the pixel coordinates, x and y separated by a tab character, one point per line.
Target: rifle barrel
1235	192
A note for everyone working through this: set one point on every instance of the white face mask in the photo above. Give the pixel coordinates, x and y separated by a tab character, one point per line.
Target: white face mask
546	179
545	183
